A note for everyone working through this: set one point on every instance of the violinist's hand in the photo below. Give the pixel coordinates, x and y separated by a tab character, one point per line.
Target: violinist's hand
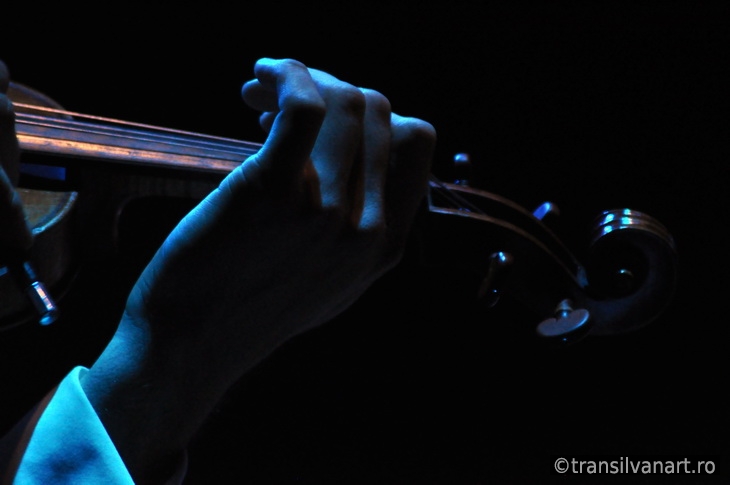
14	233
290	239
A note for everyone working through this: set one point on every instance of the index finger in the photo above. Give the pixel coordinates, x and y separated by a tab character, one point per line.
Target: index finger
301	109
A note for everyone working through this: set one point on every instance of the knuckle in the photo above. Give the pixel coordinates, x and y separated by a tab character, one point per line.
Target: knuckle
289	63
421	131
270	67
306	107
352	99
377	102
411	130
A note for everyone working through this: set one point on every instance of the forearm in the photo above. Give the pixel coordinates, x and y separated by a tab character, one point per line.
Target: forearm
152	399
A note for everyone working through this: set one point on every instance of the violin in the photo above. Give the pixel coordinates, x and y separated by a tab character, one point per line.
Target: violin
626	281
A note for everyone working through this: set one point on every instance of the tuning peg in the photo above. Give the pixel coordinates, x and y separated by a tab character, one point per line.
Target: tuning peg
462	169
489	290
546	211
567	325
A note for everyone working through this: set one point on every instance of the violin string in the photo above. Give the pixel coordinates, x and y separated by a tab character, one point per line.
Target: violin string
166	137
121	130
180	145
113	121
453	197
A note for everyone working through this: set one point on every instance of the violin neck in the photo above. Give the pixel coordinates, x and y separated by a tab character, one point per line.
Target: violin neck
106	139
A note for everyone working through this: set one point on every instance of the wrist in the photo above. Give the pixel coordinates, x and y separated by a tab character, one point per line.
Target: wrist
150	402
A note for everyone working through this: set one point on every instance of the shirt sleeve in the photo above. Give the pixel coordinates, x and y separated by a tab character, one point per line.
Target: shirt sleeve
69	444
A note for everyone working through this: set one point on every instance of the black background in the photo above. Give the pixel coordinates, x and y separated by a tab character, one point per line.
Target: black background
589	107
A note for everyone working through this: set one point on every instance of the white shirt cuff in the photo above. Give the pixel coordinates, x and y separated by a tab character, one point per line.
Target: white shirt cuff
69	444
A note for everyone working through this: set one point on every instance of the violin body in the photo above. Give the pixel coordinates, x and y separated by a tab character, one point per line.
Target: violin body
625	283
49	214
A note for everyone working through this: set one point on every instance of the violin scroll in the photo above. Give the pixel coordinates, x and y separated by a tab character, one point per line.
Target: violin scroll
627	282
632	270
